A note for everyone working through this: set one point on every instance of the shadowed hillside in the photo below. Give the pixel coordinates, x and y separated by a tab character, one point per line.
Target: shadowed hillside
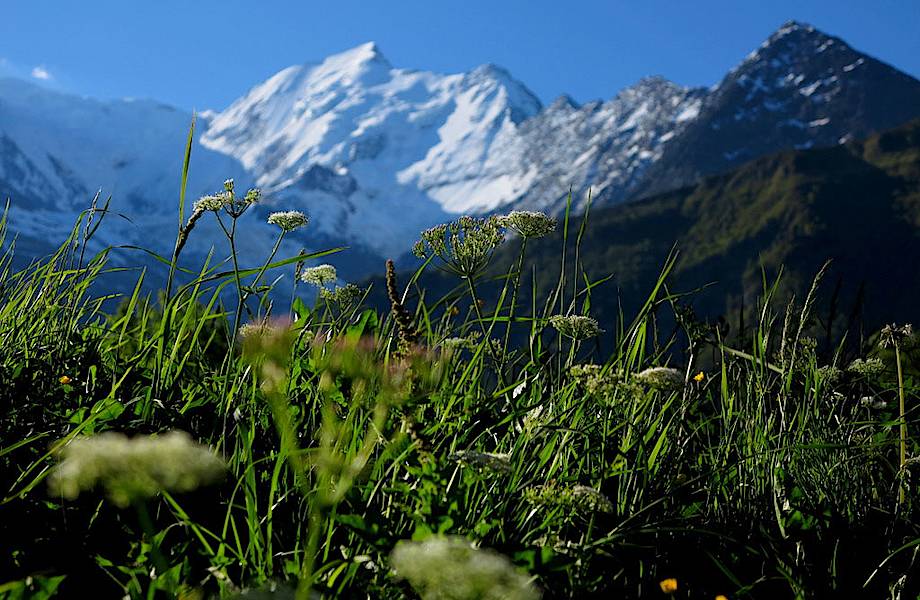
857	205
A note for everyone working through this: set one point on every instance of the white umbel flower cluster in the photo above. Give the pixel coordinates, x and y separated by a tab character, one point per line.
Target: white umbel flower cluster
661	378
451	568
577	327
465	246
320	276
528	223
228	200
342	295
133	469
869	367
211	202
288	220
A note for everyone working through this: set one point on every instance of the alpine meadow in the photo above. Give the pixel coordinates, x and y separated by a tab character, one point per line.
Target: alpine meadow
398	334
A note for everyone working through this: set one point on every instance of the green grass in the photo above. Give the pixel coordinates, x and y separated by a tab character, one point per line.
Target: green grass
760	473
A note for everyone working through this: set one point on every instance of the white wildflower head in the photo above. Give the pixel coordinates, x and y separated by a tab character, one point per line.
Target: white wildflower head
320	276
873	402
591	499
519	389
606	384
577	327
868	368
132	469
288	220
528	223
342	295
484	461
211	202
465	245
536	419
661	378
451	568
250	330
227	200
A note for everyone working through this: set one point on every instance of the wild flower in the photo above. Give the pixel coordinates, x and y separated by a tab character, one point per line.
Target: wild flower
529	224
319	276
699	377
592	499
451	568
661	378
808	344
288	220
342	295
868	368
407	334
64	379
892	335
484	461
249	330
535	419
211	202
559	545
464	246
577	327
668	586
237	206
829	374
132	469
873	402
519	389
606	385
594	379
579	498
227	200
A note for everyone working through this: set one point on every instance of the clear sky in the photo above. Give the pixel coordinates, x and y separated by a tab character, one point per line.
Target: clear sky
205	53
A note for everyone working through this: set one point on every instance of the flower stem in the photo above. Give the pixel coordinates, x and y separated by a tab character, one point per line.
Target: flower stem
902	492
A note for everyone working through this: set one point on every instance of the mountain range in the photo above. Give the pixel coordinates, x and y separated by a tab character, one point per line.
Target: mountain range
774	221
375	153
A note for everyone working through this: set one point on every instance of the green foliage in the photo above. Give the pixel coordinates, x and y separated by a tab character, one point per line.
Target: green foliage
857	204
357	463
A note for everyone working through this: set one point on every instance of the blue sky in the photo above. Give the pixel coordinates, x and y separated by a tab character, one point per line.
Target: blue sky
205	53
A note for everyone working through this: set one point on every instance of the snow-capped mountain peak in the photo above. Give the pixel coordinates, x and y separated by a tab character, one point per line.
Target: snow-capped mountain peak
426	142
800	88
375	153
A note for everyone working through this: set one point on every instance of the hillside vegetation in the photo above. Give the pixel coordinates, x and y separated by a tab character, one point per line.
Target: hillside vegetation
464	447
857	205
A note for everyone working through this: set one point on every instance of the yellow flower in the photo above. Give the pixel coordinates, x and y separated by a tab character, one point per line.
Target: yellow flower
65	379
699	376
669	585
721	597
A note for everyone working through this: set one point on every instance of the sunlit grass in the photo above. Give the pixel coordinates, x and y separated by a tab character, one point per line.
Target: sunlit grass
682	463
